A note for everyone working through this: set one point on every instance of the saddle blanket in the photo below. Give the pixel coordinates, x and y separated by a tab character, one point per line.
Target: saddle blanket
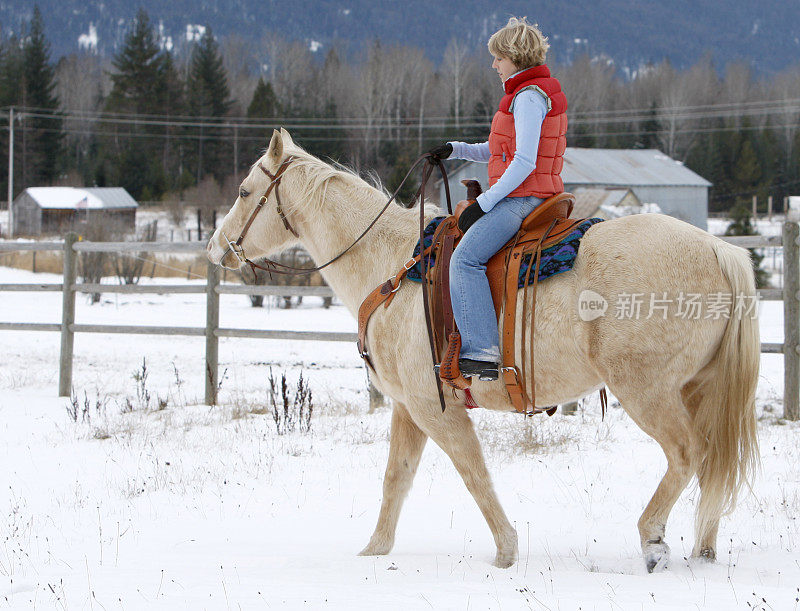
555	259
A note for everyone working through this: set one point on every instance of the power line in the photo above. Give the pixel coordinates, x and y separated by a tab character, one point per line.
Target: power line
723	110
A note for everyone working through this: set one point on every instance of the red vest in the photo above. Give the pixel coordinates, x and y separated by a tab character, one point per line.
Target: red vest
545	180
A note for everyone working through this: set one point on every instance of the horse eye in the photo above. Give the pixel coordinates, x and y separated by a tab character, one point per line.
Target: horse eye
243	193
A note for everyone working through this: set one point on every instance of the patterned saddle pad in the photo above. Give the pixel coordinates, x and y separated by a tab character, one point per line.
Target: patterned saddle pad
556	258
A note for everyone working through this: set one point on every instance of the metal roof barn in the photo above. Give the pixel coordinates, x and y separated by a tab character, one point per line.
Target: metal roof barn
652	176
49	210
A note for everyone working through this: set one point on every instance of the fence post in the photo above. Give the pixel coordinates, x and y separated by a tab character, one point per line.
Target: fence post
791	321
570	409
212	340
67	316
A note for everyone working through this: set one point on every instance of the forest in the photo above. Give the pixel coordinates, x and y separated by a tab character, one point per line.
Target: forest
186	125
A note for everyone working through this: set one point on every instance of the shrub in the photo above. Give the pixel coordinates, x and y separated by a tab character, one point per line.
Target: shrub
290	410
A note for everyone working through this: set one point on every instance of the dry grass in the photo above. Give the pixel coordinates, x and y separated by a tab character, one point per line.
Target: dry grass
156	265
40	262
514	434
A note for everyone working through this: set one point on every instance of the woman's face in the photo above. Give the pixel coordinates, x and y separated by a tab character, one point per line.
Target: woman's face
504	66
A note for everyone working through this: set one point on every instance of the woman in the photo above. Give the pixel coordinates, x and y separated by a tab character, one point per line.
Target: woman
524	153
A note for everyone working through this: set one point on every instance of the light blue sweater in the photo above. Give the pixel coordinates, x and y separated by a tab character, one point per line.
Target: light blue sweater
529	109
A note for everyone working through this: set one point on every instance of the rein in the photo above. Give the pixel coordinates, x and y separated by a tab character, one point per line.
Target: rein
279	268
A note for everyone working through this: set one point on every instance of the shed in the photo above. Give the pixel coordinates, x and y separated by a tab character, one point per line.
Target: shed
652	177
601	202
54	210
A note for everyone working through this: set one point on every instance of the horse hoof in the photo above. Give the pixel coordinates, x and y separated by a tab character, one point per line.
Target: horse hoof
656	555
376	549
708	554
503	560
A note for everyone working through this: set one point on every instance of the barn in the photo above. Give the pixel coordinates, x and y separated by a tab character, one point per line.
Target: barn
56	210
649	174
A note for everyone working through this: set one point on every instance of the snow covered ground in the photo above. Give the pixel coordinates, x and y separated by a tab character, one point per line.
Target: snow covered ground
197	507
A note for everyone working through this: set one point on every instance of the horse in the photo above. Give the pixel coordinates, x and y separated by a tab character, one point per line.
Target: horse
687	381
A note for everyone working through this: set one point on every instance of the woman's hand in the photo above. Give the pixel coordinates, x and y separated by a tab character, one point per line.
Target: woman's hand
442	151
467	212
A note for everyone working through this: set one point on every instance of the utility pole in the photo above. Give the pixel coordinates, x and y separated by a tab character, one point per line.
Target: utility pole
10	231
236	152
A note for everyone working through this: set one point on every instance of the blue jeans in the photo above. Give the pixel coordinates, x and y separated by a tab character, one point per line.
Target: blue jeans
473	308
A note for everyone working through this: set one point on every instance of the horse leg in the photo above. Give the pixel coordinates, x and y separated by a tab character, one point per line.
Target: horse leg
705	538
671	427
406	442
453	432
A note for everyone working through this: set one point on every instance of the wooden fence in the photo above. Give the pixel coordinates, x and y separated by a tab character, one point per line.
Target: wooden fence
212	289
789	294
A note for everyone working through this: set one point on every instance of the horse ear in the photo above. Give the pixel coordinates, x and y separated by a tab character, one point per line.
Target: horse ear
275	148
286	136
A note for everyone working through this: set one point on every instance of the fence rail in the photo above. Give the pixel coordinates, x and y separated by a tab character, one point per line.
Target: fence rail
790	295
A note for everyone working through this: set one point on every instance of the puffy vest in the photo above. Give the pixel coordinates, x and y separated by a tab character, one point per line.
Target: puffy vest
545	180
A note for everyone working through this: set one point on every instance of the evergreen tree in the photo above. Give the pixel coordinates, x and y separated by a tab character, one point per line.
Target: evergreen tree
139	83
648	139
42	142
172	161
264	103
10	95
134	157
747	168
208	96
743	225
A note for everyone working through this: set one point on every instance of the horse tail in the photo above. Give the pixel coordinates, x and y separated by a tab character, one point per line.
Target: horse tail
724	398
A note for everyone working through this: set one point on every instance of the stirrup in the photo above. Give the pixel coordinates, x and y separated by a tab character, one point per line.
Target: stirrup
449	372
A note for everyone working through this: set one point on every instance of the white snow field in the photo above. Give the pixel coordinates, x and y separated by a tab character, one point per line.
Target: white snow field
198	507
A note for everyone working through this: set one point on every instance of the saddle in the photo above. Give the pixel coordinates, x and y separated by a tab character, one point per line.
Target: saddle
545	226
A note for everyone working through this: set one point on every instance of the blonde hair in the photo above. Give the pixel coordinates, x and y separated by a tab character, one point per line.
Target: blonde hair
522	43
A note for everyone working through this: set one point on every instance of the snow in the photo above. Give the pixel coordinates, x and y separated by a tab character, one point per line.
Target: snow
65	197
194	32
88	41
198	507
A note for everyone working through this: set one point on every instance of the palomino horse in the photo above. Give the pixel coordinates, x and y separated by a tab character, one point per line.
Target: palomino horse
688	381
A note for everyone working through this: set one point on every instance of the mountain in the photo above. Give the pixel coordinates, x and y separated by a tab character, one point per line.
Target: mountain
766	35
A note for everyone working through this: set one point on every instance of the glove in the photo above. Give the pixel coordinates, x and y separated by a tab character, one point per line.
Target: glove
471	214
442	151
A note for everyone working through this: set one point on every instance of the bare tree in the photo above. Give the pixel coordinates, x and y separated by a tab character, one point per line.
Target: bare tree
737	89
590	87
82	80
94	266
457	71
129	267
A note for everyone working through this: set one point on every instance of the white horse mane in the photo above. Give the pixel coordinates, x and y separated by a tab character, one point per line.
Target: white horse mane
319	174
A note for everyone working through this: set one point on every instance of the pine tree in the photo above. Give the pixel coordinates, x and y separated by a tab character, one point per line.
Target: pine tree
264	103
139	83
135	156
648	139
173	144
10	95
44	136
208	96
743	225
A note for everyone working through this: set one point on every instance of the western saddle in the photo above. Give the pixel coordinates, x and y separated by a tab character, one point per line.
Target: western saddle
546	225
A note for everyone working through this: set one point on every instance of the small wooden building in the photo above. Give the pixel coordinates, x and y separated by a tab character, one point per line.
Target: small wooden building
604	203
56	210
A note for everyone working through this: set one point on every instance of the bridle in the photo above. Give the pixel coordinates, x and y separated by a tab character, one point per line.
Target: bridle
275	180
279	268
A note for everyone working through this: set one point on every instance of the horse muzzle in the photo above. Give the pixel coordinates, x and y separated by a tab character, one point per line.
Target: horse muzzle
221	251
